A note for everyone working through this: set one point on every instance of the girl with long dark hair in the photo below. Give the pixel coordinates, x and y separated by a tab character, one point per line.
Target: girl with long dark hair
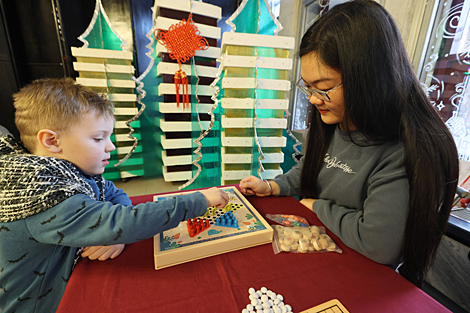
380	168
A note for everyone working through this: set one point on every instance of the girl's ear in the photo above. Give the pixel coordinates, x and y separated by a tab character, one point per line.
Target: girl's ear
48	140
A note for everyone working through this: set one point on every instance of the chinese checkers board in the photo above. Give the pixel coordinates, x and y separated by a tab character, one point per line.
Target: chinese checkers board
237	226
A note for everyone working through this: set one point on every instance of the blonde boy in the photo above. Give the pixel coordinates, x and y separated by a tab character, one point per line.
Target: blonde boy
54	200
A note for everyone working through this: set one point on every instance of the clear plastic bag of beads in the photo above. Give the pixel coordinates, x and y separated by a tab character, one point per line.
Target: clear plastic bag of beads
297	239
288	219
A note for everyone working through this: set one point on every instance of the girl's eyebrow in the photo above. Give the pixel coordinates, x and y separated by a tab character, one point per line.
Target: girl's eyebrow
317	81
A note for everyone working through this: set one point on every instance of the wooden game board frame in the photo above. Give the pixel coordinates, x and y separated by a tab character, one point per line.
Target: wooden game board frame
332	306
217	246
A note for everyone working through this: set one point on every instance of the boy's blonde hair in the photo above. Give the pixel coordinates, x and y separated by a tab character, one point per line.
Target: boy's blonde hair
56	104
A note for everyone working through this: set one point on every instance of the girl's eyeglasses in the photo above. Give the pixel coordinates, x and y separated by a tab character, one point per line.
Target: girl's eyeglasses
320	94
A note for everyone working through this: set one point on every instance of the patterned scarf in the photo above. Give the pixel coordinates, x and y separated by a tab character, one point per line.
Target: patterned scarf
30	184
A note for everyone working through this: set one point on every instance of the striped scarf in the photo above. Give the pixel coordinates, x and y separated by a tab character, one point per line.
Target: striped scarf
30	184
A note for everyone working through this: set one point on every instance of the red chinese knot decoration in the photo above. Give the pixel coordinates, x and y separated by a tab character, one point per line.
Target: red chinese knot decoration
181	41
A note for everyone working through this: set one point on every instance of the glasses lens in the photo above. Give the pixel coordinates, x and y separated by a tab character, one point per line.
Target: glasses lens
321	96
309	92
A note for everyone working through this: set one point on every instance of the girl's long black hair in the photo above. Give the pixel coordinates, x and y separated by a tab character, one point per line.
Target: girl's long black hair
385	101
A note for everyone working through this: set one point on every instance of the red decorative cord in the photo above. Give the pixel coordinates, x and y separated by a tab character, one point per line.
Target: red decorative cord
181	41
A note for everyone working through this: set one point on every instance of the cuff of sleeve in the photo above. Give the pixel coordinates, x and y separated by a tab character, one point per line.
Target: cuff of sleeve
316	206
198	202
203	200
283	187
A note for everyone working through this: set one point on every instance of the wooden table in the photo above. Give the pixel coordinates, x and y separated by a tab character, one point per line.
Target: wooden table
220	283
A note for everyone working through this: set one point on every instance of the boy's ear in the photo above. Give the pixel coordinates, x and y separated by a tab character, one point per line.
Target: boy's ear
48	140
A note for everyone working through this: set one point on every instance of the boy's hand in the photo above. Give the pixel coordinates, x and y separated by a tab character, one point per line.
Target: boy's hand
215	197
102	252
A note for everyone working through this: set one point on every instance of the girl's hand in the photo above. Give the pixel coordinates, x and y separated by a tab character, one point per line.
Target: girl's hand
308	203
252	185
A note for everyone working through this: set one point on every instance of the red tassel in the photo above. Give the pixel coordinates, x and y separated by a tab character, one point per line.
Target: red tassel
177	86
182	80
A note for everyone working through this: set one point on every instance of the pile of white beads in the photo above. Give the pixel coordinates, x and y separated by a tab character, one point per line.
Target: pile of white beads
266	301
303	239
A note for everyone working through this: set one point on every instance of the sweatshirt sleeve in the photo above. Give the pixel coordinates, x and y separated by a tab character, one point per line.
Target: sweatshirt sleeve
81	221
289	183
115	195
378	230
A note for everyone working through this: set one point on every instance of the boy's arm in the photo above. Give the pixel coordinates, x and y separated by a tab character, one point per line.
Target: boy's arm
102	253
116	195
80	221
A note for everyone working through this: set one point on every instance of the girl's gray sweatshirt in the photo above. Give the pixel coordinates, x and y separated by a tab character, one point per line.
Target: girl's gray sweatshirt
363	194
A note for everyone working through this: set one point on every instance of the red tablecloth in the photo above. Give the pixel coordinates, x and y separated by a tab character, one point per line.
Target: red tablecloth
220	283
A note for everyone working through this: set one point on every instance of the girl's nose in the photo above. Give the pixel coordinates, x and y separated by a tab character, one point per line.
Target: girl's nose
315	100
